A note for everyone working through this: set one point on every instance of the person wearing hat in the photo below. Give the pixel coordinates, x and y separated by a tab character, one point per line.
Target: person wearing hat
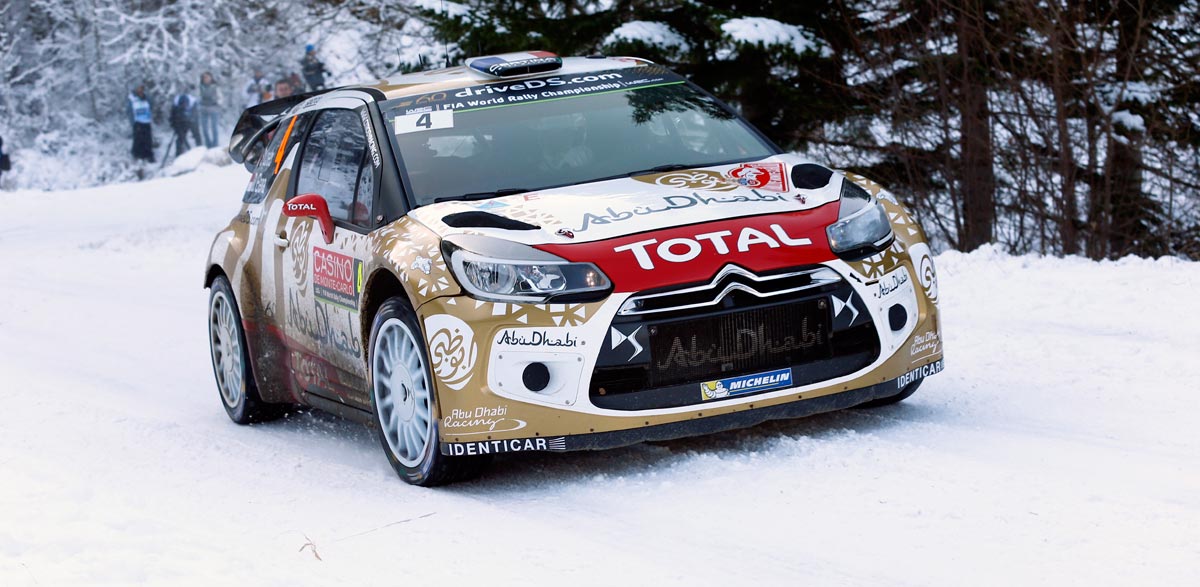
185	118
314	71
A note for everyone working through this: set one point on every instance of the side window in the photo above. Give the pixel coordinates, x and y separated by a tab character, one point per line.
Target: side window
331	161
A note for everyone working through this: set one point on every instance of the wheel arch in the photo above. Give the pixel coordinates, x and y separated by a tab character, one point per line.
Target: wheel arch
214	271
381	286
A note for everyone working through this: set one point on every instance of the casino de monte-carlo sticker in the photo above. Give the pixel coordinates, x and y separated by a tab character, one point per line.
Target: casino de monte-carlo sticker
337	278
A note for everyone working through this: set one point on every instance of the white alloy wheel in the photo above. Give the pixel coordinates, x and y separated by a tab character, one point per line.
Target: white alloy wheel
401	387
225	340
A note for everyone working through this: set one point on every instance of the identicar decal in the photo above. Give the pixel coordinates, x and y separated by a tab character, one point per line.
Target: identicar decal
920	373
485	447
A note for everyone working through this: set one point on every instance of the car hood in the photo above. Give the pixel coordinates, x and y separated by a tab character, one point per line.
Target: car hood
620	207
662	229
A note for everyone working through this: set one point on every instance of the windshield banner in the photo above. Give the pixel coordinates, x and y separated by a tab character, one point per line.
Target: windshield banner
555	87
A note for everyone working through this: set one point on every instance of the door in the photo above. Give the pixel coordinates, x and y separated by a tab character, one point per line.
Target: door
320	285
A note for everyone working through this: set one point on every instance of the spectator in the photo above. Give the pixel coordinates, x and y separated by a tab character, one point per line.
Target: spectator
314	70
140	113
210	108
297	83
185	118
257	89
5	162
283	88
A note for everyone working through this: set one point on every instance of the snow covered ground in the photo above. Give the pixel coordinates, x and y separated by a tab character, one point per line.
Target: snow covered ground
1060	446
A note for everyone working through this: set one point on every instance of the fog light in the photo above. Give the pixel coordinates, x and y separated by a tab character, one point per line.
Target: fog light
536	376
897	317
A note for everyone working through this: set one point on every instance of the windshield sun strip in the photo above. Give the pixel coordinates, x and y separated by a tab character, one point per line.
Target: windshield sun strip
545	100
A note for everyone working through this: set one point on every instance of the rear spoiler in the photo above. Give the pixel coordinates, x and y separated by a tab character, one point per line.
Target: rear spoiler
257	118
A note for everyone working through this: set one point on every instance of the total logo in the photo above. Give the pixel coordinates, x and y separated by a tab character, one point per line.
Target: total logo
722	242
301	207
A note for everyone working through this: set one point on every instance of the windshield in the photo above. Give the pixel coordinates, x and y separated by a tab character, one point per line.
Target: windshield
560	130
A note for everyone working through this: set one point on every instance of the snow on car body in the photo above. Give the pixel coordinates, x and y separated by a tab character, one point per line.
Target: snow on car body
529	253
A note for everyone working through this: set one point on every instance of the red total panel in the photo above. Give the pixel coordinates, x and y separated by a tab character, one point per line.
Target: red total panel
694	253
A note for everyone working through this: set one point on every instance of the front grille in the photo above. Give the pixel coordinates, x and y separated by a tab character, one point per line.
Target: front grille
738	342
658	359
732	279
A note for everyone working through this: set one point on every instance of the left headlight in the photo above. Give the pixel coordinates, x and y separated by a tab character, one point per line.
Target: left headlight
527	280
863	228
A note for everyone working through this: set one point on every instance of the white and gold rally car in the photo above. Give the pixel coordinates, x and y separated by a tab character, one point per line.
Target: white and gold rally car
532	253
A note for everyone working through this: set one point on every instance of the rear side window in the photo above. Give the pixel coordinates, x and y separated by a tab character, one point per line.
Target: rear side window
331	164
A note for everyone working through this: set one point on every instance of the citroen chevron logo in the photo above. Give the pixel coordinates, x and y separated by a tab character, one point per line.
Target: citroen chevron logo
618	338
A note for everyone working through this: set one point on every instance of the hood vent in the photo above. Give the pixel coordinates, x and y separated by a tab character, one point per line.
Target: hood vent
477	219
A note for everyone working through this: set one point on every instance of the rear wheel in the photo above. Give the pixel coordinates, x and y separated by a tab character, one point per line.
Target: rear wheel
231	361
899	397
402	395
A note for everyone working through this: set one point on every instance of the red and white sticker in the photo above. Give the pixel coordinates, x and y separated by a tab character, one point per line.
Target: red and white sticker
761	176
695	252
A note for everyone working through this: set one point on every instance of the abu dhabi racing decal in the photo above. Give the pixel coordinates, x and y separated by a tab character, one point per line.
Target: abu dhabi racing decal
745	384
337	278
920	373
486	447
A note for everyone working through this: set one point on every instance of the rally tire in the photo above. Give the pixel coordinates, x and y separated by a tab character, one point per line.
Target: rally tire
404	401
894	399
231	359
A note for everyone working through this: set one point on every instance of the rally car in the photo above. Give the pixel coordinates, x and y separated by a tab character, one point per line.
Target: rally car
535	253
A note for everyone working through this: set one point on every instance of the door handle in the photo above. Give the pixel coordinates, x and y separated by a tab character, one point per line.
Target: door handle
281	240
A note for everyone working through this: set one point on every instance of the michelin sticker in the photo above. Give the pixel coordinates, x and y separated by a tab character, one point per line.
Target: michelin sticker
745	384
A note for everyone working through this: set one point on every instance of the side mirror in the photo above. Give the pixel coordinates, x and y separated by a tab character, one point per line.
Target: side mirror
311	206
252	155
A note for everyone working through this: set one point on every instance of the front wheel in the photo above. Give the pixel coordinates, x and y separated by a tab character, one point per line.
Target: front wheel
231	361
402	395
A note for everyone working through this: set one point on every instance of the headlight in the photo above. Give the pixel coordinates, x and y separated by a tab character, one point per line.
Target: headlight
529	281
863	228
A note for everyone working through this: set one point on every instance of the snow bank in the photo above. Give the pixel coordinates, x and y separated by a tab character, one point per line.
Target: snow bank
1058	447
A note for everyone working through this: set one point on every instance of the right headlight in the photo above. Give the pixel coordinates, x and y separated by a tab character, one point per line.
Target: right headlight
863	228
538	279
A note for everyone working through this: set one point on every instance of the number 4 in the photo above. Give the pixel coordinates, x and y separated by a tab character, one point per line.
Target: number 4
424	121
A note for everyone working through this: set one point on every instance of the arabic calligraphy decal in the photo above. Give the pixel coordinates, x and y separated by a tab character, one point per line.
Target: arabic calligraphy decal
694	179
452	350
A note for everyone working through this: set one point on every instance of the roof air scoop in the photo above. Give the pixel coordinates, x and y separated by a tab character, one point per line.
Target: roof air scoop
514	64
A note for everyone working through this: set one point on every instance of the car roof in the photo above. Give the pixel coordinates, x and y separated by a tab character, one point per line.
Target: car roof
421	82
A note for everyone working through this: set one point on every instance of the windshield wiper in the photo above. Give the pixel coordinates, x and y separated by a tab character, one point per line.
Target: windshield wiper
482	195
659	169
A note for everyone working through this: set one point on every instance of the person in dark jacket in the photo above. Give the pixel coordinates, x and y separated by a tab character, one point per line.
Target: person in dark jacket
5	162
314	70
210	109
140	113
185	118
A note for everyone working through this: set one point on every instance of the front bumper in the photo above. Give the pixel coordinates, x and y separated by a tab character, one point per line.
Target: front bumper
695	427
